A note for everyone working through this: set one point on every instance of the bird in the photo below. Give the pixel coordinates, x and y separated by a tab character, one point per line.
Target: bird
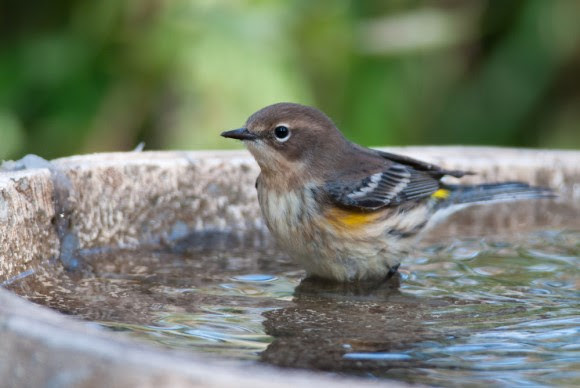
344	212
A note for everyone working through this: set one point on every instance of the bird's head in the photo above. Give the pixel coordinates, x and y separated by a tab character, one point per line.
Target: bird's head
287	136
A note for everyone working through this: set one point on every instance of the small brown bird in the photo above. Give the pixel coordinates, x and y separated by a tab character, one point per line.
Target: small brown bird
346	212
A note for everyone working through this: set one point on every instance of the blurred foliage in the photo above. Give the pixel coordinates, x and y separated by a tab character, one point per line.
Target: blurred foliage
82	76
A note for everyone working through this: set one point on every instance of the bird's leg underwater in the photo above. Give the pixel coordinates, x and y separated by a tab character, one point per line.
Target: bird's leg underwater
392	271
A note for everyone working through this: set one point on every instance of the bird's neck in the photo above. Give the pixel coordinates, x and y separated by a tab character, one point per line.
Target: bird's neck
288	178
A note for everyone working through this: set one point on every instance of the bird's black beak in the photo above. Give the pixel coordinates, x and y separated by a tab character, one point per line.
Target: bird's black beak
240	134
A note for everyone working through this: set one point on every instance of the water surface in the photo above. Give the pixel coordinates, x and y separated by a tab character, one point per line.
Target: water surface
471	311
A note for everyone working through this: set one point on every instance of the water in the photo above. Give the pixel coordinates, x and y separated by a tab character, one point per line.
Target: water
497	310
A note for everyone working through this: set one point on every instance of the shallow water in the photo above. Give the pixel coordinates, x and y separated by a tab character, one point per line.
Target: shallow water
500	311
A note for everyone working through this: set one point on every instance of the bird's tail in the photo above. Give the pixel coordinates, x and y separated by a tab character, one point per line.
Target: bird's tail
492	192
451	198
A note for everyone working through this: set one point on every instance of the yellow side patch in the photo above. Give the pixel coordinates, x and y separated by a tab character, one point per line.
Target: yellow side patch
441	194
351	219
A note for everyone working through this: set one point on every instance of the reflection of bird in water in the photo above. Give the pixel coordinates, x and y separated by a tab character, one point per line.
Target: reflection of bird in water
329	320
369	290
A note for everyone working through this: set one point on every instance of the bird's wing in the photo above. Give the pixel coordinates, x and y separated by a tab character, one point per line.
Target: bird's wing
429	168
395	184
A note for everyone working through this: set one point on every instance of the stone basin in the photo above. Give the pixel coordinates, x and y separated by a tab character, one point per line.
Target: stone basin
72	208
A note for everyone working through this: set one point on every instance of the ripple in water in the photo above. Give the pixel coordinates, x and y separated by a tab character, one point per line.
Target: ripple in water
472	312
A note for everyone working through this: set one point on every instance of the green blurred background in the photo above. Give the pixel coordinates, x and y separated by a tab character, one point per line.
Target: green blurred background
81	76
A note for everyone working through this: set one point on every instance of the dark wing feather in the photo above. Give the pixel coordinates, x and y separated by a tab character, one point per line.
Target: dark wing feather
392	186
429	168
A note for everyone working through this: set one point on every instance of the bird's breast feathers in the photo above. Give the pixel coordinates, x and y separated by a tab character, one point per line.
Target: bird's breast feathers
296	215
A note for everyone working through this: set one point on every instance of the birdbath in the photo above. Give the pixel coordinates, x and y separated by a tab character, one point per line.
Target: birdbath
108	262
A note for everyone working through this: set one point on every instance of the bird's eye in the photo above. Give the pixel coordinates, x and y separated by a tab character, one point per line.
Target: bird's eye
282	133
